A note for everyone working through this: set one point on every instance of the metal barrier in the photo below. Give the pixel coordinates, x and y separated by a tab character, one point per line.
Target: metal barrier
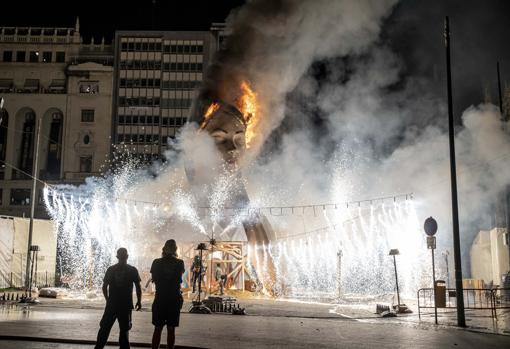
501	298
474	299
15	280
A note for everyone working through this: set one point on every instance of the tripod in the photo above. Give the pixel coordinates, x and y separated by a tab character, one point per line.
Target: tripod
198	306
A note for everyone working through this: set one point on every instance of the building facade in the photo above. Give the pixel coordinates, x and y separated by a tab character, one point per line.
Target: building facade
56	87
156	79
490	256
87	101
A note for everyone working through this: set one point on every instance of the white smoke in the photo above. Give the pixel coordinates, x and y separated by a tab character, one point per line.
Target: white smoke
374	139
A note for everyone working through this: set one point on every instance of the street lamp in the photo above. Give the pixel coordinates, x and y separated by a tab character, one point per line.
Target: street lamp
394	252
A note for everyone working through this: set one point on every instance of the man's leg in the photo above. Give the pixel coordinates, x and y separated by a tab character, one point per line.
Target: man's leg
124	318
156	337
194	280
104	327
170	340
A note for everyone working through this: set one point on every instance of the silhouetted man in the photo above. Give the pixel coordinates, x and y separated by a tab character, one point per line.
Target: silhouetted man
197	270
166	309
118	292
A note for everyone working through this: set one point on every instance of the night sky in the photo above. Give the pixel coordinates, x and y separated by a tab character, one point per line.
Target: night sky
480	32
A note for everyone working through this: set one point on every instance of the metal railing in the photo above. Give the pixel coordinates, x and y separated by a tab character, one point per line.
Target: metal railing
491	299
16	280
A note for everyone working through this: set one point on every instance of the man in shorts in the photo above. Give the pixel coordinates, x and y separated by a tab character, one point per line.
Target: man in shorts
118	292
166	310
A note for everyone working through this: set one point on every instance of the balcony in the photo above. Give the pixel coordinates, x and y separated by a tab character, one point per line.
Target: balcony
57	86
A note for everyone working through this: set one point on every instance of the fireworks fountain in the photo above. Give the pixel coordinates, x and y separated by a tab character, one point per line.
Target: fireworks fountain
229	178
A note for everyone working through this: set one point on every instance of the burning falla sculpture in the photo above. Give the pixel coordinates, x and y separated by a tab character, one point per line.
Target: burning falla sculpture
230	127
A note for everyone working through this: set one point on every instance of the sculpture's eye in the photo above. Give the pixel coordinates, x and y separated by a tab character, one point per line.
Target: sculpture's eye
218	139
239	140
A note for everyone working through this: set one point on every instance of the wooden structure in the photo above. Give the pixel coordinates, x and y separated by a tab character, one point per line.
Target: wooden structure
232	257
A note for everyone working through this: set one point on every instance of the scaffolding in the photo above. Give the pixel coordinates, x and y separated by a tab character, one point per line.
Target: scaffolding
232	257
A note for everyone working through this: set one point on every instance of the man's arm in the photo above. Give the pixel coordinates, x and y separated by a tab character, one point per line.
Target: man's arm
138	295
106	282
138	287
105	290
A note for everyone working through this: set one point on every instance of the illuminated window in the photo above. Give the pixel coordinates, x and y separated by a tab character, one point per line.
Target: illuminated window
91	87
20	197
47	57
34	57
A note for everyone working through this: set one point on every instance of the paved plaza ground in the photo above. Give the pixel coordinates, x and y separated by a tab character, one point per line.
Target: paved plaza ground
268	324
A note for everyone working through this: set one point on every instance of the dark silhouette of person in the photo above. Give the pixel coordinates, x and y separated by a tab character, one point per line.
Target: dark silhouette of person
118	292
196	269
166	310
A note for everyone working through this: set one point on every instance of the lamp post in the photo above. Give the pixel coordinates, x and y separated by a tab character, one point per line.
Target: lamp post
32	203
461	316
394	252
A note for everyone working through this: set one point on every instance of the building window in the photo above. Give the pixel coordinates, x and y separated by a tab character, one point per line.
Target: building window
87	115
91	87
124	46
86	139
46	58
7	56
34	57
20	56
40	197
20	197
60	57
86	164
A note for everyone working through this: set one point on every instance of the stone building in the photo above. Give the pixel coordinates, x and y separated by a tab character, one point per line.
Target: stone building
55	86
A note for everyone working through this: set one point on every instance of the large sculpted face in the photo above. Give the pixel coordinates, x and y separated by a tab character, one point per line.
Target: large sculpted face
228	132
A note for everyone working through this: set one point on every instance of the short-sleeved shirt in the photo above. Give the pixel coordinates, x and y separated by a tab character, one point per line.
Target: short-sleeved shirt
120	279
167	275
218	273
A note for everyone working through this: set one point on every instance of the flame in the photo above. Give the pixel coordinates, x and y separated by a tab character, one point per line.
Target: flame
248	105
208	114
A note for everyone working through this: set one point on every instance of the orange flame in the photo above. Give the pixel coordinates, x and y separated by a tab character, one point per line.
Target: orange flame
208	114
248	105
